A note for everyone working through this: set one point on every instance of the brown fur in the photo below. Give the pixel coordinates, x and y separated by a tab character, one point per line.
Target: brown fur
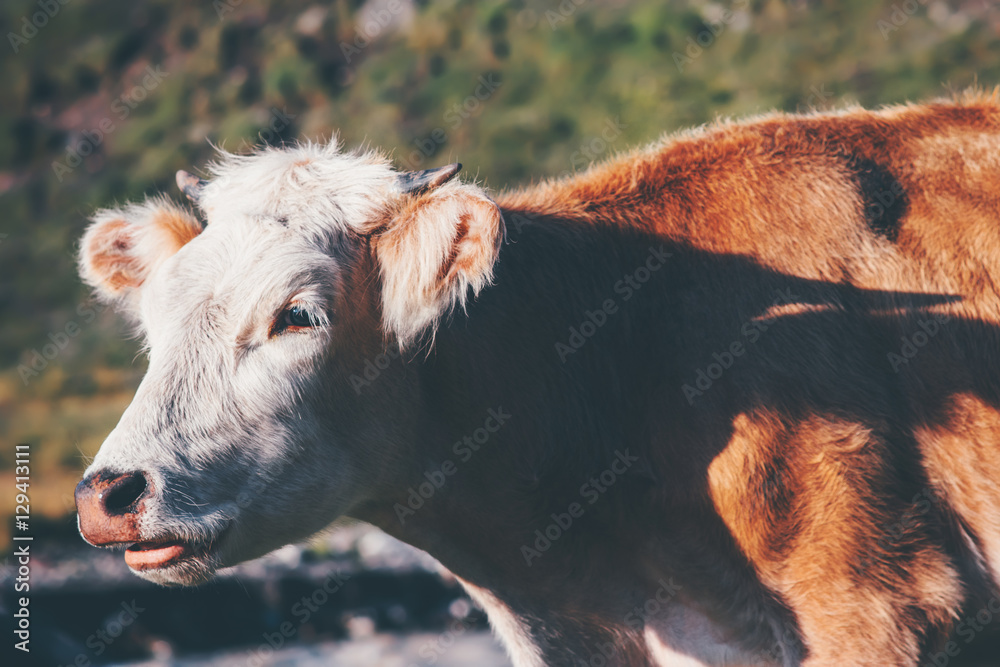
109	248
818	507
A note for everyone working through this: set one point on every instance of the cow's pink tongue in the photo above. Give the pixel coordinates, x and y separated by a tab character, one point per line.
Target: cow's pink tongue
149	556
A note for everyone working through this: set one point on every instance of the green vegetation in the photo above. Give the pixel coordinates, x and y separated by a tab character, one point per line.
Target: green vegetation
107	99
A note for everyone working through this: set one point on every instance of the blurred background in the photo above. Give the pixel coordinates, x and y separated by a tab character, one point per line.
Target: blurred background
103	101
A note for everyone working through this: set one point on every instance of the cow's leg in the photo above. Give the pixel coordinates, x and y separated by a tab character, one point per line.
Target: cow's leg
833	527
961	452
549	638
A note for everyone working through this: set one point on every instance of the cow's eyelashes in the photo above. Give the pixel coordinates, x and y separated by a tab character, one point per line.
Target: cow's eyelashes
297	316
294	318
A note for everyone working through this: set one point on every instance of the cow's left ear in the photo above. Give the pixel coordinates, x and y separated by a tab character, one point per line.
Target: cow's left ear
437	246
122	247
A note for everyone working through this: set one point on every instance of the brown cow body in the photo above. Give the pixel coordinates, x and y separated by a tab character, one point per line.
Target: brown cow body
730	400
837	486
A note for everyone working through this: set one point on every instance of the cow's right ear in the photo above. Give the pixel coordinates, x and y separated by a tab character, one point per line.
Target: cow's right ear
122	247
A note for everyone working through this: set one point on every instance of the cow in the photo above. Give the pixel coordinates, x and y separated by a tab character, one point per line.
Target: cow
730	399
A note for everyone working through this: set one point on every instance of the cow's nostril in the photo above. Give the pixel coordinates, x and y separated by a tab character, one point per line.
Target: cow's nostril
124	492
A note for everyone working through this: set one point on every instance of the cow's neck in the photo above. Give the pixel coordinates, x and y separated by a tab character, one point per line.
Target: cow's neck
535	472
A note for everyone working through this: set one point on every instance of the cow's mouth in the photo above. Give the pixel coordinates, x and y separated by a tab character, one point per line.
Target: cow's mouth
154	555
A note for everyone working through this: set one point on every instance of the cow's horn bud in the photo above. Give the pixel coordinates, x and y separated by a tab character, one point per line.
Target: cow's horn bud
190	185
416	182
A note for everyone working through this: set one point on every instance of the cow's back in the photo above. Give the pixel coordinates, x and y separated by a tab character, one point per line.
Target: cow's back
816	358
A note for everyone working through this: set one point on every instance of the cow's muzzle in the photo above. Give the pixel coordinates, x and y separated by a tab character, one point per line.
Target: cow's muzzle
110	505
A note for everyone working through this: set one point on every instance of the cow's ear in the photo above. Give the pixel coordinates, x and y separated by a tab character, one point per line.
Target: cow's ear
122	247
437	247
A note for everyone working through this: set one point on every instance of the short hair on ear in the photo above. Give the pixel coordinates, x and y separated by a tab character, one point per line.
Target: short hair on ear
436	248
123	246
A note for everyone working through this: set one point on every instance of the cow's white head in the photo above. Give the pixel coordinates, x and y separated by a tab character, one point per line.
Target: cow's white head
249	431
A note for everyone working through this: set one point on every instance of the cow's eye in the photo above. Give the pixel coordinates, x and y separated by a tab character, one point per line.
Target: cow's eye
293	317
296	316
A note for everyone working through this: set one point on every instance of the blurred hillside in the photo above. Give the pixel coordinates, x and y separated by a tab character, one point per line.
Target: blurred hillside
106	100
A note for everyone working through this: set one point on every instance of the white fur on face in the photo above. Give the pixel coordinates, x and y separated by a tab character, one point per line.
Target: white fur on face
234	421
225	420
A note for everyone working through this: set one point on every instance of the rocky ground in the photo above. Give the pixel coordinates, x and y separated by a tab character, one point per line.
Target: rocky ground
477	649
356	597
